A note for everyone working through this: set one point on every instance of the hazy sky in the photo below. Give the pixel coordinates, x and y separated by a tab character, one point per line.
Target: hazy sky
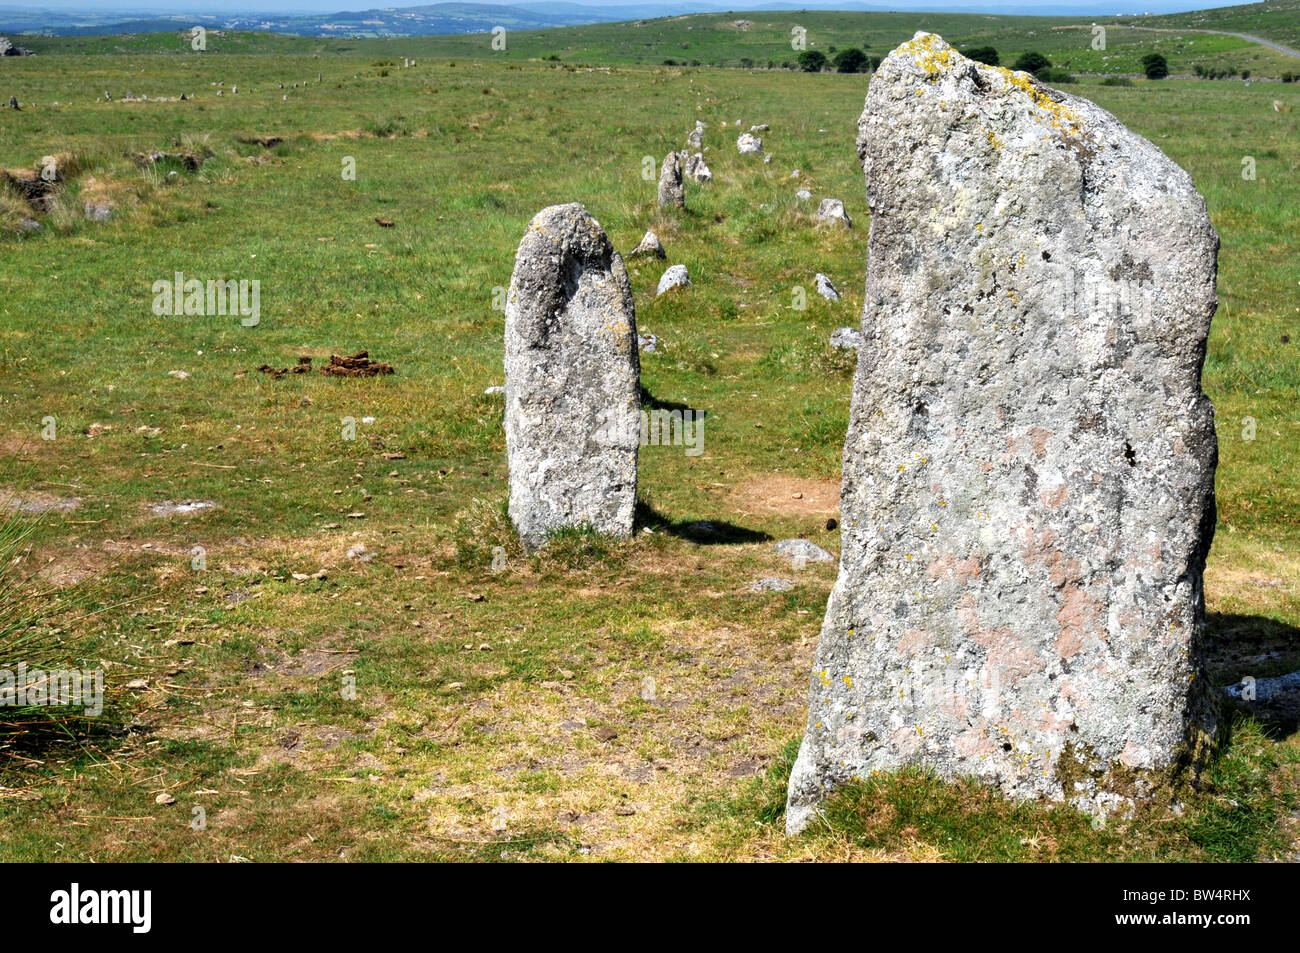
131	7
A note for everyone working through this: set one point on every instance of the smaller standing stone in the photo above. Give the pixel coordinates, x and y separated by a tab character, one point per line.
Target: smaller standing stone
831	212
749	145
697	170
573	404
650	247
695	139
671	192
761	127
826	288
675	277
803	195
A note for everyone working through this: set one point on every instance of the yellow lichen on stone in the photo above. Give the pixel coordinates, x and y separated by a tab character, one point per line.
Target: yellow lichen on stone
1061	117
923	53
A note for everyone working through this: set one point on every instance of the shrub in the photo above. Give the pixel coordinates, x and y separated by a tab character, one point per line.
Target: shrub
812	61
851	60
1117	81
1051	74
1032	62
982	54
1154	65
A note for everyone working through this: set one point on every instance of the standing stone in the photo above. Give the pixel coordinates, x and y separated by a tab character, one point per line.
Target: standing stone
649	247
1028	489
573	380
695	138
671	192
697	170
831	212
749	145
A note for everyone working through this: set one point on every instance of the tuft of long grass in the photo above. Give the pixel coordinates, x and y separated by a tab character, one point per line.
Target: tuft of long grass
28	633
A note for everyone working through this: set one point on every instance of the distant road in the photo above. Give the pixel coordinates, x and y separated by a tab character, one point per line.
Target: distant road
1241	36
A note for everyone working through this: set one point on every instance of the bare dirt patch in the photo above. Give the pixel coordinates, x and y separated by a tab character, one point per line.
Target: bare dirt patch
766	493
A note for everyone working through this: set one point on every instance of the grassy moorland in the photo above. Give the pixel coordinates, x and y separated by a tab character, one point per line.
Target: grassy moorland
507	714
1276	20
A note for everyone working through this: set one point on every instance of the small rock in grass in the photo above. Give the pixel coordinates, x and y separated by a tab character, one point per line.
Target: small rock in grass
675	277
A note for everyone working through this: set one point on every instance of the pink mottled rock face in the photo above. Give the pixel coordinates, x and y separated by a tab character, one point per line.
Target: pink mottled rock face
1028	492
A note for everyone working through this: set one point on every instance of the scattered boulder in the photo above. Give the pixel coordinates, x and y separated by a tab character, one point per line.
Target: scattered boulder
831	213
802	550
98	210
649	247
1028	492
573	380
772	584
695	139
192	161
675	276
846	338
183	508
749	145
803	195
671	192
761	127
647	343
826	288
494	389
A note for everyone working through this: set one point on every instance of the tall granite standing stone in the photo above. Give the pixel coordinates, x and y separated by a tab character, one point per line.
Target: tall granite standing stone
573	380
1028	492
671	192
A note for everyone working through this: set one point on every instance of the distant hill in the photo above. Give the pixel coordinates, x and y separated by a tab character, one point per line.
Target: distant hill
1276	20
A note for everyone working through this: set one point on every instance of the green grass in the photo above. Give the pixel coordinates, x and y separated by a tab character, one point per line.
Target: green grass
397	706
